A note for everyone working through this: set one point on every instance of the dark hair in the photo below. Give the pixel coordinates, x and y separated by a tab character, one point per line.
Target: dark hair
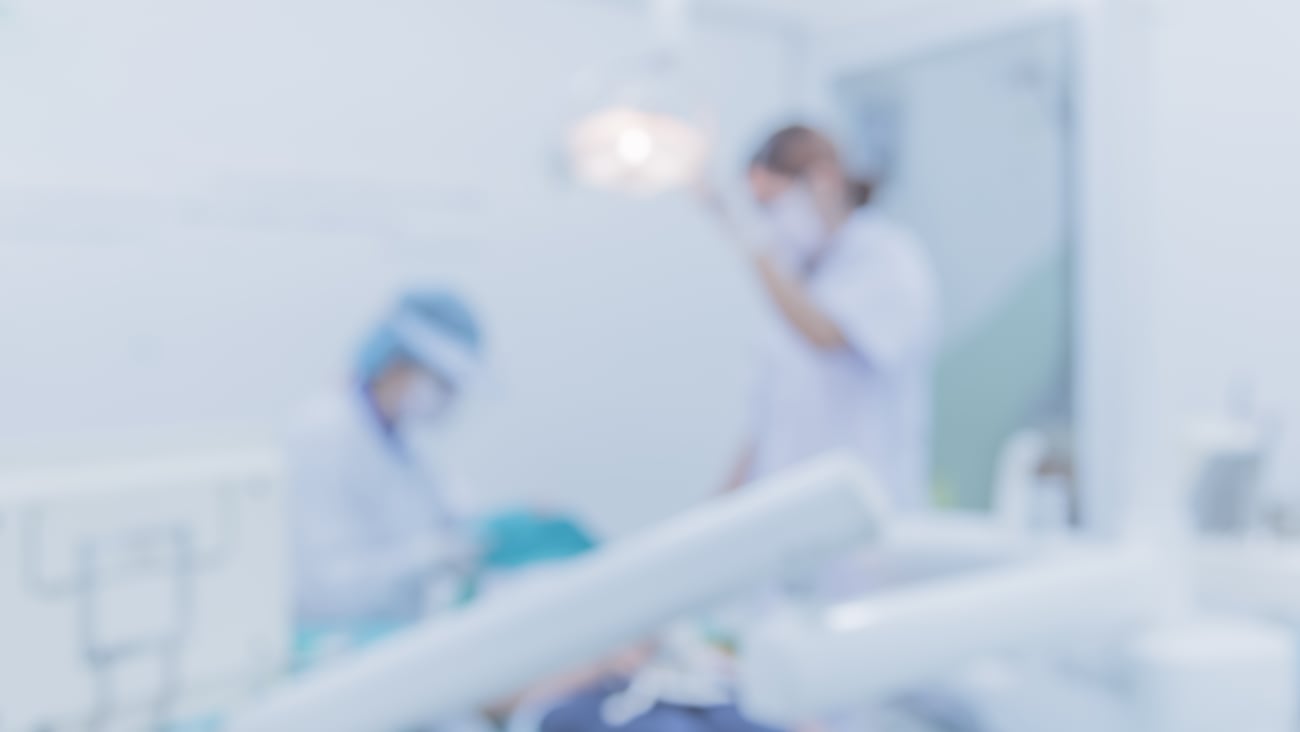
795	150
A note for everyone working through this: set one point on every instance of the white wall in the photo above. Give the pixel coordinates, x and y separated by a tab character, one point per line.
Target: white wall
1225	247
205	202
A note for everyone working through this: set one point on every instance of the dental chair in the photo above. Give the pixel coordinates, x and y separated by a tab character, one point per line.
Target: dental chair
1099	636
596	606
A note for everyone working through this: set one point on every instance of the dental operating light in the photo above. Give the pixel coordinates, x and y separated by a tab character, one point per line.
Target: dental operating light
643	134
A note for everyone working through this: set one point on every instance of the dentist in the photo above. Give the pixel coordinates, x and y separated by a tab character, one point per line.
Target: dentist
846	361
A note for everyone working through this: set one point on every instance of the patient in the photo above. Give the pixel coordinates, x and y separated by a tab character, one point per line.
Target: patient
684	682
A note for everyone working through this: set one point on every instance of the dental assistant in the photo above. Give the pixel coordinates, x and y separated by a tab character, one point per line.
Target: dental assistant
845	362
372	526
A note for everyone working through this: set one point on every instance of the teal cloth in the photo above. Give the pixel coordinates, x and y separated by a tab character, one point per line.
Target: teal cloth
515	539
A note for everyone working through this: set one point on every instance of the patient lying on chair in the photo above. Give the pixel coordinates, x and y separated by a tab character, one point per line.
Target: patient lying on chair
683	682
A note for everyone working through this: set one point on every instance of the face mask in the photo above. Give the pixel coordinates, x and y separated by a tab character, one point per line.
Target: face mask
799	228
425	400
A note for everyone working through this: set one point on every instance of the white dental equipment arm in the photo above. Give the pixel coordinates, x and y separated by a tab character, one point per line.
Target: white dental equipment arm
1183	667
596	606
1257	577
798	667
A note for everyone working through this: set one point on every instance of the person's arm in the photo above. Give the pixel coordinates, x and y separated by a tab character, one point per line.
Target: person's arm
623	664
343	569
792	299
789	295
340	565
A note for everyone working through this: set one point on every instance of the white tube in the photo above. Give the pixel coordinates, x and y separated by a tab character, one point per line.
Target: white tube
795	668
615	597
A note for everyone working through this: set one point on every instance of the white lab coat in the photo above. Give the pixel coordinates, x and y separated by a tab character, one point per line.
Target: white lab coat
369	525
872	400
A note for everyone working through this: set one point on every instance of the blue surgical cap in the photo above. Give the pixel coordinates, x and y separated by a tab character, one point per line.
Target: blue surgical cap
434	328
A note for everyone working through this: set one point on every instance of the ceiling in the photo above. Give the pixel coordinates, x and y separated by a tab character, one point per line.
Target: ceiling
821	15
815	17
